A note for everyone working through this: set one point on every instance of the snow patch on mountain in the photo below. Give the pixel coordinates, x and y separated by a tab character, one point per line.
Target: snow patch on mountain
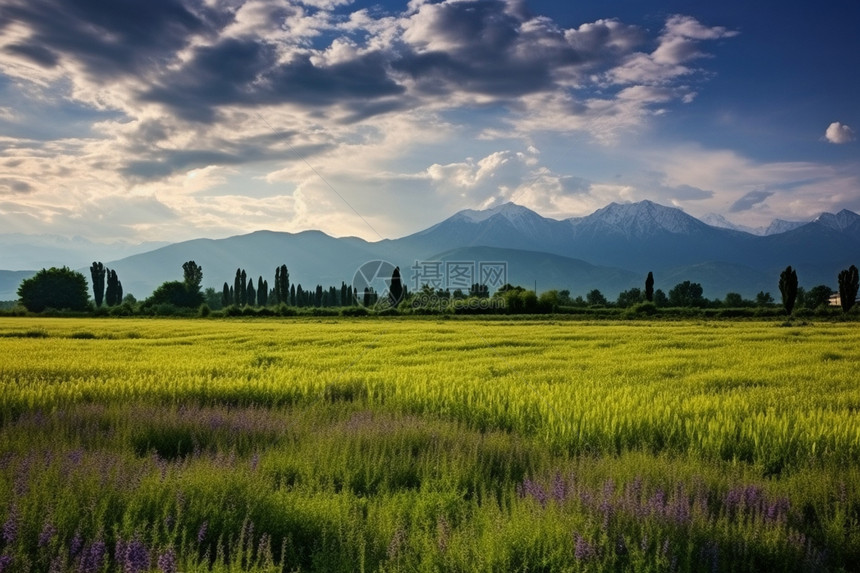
642	219
840	221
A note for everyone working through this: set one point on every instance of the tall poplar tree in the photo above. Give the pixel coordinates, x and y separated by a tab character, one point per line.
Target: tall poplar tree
97	271
848	286
649	287
250	293
788	288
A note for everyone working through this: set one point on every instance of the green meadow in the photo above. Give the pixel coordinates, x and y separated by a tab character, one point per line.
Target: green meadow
398	444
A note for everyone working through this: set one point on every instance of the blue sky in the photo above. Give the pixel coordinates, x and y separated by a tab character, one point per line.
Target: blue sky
165	120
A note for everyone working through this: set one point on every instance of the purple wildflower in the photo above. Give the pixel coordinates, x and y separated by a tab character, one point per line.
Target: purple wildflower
10	528
5	563
777	511
167	561
559	488
136	557
47	534
93	557
531	488
657	503
76	544
201	533
583	550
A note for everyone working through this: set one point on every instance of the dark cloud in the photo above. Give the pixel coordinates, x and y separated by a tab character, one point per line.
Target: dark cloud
111	37
690	193
159	163
14	186
574	185
749	201
246	72
484	47
37	54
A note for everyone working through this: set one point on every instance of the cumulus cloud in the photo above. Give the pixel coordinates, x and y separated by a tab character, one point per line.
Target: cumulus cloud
839	133
181	87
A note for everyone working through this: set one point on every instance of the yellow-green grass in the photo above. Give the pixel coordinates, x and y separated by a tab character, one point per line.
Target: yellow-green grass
430	444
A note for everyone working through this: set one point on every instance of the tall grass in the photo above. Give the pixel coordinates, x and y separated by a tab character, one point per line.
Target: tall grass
348	445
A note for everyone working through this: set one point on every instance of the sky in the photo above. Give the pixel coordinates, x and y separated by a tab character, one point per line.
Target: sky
167	120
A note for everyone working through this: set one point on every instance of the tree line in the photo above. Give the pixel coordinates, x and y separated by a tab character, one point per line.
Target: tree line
66	289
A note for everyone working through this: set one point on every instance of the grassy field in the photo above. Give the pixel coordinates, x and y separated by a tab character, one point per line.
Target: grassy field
428	445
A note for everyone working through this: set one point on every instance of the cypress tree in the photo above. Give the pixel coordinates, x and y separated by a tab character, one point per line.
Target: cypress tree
243	293
395	289
251	294
237	288
292	295
113	295
283	287
649	287
263	294
226	299
788	288
97	271
848	286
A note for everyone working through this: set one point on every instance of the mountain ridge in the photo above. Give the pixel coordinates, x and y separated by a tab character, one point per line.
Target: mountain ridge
631	237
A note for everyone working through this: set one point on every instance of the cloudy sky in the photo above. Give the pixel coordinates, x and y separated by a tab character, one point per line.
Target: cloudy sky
141	120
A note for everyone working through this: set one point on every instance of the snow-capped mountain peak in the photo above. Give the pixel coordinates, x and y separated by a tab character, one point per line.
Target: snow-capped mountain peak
642	218
840	221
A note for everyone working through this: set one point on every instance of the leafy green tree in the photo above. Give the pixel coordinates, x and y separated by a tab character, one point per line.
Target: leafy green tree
763	298
184	294
660	298
60	288
212	298
551	299
733	300
596	298
193	276
687	294
649	287
97	272
479	290
788	288
630	297
817	296
849	282
174	293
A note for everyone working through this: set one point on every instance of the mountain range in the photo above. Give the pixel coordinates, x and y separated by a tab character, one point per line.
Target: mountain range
611	250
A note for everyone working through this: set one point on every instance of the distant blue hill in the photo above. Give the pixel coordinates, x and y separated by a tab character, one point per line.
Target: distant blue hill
611	250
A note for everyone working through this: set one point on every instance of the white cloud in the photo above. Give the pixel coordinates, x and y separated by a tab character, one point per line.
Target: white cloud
217	122
839	133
